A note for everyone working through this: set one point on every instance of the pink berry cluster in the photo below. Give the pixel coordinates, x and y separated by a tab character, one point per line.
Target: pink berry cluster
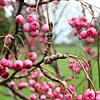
43	90
89	35
76	67
79	24
47	90
32	26
89	51
22	85
3	2
89	95
17	65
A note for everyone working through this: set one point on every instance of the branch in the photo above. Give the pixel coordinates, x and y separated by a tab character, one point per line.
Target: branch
15	91
40	3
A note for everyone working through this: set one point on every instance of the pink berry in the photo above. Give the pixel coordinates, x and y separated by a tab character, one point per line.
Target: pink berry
79	37
20	19
20	85
26	27
32	89
33	56
99	22
10	64
89	95
33	97
45	28
25	85
3	2
8	39
68	96
4	62
34	33
2	69
83	34
31	82
34	26
10	56
79	97
18	65
69	78
97	97
12	84
49	95
42	97
93	32
89	40
27	64
61	96
6	73
30	18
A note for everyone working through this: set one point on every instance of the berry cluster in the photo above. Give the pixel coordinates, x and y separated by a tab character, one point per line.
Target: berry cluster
80	23
89	51
47	90
76	67
31	26
17	65
43	90
89	35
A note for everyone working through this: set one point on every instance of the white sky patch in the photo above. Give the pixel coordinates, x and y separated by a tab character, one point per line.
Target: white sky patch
93	2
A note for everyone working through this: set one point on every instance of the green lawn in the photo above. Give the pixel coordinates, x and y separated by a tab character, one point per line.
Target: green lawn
63	65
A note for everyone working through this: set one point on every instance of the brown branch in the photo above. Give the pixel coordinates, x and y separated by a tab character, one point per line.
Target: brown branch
55	79
40	3
15	91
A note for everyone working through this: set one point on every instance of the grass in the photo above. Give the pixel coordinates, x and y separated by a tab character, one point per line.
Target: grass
63	65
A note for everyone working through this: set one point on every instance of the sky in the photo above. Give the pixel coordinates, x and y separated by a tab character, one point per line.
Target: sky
93	2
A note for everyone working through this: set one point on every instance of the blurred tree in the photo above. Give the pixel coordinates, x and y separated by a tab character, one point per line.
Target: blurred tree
4	26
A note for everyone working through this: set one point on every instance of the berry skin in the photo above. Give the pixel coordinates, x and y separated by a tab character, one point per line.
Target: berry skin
33	56
83	34
32	89
45	28
34	26
18	65
26	27
99	22
69	78
2	69
4	62
93	32
34	33
33	97
12	84
27	64
30	18
89	40
97	97
3	2
5	74
10	64
20	19
79	97
31	82
89	95
42	97
79	37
